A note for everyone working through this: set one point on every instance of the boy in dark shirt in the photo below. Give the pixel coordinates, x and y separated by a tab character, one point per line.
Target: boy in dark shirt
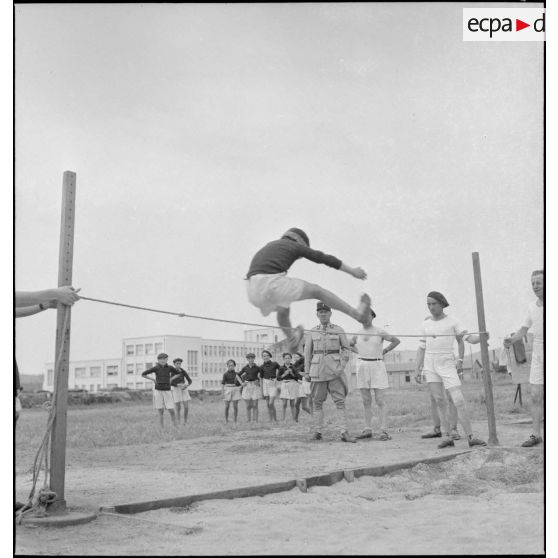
162	396
179	389
271	290
231	389
290	389
252	391
269	380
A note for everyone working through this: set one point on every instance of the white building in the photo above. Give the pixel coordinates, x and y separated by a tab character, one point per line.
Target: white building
204	360
92	375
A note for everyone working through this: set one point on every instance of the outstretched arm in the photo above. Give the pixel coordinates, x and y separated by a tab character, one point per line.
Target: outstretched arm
357	272
23	311
65	295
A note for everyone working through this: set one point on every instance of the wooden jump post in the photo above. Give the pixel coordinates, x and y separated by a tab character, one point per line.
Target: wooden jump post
62	353
487	379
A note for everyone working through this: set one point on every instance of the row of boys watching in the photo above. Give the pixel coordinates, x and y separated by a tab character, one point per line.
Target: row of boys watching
268	381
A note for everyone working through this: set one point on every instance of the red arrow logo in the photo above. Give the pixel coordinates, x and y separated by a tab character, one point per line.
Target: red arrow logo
519	25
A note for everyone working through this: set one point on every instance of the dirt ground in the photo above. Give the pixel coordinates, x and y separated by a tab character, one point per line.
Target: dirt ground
486	501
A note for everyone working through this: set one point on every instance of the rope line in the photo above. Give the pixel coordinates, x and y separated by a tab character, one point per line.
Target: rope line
238	322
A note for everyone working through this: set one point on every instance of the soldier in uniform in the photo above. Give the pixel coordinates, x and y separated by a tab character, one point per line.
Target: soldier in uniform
322	354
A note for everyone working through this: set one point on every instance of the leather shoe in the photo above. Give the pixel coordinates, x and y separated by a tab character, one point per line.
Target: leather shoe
346	437
433	434
447	443
476	442
317	436
532	441
365	434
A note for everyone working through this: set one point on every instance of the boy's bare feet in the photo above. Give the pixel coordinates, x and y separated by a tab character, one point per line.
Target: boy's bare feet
364	307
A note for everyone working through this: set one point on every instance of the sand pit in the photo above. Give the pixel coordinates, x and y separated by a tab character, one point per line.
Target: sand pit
486	501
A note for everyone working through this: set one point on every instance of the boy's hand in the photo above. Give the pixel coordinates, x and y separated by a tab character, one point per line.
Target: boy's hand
359	273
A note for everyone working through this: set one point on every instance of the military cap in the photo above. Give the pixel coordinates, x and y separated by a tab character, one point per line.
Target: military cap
322	306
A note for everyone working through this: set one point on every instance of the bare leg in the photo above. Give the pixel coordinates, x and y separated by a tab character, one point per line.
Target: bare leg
255	410
272	411
436	390
161	420
452	413
284	408
435	414
185	403
297	408
313	291
249	410
462	412
284	321
292	404
177	409
367	403
382	408
173	416
235	410
305	407
537	391
227	405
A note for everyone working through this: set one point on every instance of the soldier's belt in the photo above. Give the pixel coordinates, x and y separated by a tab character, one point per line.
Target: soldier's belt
326	352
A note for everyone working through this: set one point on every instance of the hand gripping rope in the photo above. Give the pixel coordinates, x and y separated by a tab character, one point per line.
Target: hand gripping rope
222	320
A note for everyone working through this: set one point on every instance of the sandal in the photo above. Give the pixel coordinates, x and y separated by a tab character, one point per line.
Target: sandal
384	436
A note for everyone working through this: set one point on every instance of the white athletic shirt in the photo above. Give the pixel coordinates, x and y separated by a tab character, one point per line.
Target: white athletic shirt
371	347
534	321
446	326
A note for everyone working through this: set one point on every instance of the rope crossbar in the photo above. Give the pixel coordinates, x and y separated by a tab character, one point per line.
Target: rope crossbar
238	322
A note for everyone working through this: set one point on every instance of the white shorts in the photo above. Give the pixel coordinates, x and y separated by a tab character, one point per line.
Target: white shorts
536	375
162	399
372	374
231	393
179	394
305	389
269	388
271	291
252	391
440	367
290	389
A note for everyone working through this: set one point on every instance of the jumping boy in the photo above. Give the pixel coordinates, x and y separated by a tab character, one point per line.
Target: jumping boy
270	290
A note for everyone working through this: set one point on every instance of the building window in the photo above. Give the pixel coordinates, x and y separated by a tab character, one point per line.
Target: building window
95	372
129	350
81	372
109	386
112	370
148	365
192	359
50	376
140	368
139	350
407	378
149	348
130	385
158	348
129	369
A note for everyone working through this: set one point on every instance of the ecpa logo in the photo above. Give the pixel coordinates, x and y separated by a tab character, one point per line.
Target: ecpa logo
503	24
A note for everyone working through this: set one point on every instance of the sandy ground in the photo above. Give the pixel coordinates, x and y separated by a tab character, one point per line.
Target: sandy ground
487	501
